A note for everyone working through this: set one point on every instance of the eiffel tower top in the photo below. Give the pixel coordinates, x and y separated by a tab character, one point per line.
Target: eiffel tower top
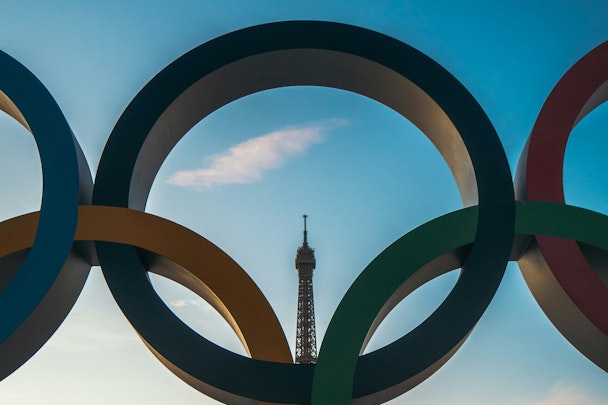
306	254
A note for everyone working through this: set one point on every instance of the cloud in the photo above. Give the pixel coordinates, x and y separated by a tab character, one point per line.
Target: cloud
179	303
564	393
247	162
199	303
193	307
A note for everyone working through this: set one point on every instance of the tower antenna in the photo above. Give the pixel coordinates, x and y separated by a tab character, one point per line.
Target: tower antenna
305	232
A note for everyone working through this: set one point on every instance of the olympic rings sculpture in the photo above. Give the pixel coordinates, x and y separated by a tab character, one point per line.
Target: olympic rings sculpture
46	255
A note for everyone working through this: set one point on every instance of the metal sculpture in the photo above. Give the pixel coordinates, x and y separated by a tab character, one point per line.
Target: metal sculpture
481	238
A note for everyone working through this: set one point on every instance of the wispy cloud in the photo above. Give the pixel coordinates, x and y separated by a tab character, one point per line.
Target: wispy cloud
564	393
247	162
179	303
198	303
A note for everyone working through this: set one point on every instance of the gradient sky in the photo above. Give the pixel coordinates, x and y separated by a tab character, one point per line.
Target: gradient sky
363	174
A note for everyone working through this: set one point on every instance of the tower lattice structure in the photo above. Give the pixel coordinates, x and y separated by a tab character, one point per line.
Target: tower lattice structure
306	336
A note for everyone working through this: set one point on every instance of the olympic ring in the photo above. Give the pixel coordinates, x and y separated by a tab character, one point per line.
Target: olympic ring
46	282
388	273
204	77
480	238
583	298
214	275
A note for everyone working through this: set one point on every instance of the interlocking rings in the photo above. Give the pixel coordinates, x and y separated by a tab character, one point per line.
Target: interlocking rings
128	243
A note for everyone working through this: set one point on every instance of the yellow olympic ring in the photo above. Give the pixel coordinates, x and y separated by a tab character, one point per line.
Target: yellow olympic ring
201	267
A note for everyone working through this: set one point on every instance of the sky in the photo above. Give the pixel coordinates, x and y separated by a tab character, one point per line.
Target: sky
244	176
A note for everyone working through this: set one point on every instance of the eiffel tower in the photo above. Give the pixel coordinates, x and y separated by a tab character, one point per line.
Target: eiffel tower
306	336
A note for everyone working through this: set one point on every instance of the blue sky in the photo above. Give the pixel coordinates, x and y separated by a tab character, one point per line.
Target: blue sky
363	174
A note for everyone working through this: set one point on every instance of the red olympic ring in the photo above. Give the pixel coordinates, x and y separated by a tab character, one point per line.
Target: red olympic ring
582	308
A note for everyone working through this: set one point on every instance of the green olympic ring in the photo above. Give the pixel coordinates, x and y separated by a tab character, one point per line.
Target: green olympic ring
404	264
480	239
